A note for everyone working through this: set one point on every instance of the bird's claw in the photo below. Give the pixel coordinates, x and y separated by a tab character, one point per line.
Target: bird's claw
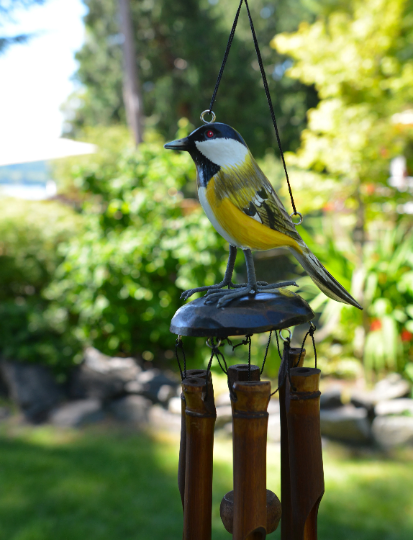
224	297
242	285
217	293
208	288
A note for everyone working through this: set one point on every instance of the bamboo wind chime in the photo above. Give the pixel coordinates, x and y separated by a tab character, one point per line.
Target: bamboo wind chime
250	511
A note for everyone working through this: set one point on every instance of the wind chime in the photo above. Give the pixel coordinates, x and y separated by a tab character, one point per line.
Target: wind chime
244	208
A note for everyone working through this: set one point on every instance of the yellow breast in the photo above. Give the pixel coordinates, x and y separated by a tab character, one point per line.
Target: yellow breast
246	231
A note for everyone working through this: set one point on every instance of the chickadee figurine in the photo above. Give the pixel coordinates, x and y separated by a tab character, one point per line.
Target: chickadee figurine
244	209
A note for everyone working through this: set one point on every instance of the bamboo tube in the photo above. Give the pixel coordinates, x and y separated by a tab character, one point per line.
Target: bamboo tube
201	373
291	356
200	415
243	372
239	373
250	422
306	462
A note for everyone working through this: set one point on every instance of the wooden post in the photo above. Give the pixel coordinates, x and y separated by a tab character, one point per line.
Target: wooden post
306	462
200	416
291	356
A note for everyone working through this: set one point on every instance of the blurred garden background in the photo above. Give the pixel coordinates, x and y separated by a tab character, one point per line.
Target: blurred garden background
101	231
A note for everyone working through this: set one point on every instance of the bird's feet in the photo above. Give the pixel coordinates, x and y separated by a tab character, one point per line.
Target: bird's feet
209	288
216	288
224	297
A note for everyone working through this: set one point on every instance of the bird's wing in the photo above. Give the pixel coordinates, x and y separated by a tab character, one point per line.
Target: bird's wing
250	191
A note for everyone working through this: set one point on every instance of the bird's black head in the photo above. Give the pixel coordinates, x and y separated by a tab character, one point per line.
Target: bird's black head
203	135
218	143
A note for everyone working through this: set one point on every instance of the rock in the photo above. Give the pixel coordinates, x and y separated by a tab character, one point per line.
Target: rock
131	409
32	387
395	407
347	424
78	413
102	377
4	391
392	431
392	387
162	420
5	412
363	399
331	398
154	385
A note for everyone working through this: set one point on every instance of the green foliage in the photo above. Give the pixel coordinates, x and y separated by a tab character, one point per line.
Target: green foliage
179	47
359	58
31	328
385	282
144	242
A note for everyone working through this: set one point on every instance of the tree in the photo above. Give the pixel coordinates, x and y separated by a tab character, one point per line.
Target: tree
6	11
180	46
359	59
132	96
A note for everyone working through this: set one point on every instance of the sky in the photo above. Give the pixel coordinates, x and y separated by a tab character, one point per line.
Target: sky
35	78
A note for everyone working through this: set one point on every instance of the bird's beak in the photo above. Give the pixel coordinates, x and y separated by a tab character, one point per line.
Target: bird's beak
179	144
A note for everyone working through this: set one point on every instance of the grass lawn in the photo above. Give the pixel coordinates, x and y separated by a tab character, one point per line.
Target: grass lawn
108	484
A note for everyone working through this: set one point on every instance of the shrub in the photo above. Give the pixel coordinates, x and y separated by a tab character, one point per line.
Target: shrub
145	241
32	329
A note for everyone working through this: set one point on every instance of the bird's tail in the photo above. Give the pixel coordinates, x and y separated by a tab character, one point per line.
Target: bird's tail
322	277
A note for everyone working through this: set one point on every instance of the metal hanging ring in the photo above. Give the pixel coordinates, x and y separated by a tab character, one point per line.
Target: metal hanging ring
208	112
297	214
289	335
212	346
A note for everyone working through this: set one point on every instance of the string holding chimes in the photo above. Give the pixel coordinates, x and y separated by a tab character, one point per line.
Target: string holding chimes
266	88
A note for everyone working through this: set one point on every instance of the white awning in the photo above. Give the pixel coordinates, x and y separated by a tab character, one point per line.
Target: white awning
15	151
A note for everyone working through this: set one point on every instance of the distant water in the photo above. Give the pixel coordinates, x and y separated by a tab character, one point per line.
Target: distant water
29	191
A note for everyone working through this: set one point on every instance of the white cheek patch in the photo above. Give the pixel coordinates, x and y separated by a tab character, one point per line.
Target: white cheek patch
223	152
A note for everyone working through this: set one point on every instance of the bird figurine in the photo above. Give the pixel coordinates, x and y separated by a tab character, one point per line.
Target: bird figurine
244	209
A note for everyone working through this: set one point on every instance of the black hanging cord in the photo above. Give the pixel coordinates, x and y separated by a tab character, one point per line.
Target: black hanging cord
246	341
278	346
310	332
179	345
224	61
284	368
266	352
264	80
249	358
267	93
220	357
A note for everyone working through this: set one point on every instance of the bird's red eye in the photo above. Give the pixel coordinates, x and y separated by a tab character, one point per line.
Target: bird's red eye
210	134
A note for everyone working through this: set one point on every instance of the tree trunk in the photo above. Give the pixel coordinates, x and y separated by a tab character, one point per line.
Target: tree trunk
132	96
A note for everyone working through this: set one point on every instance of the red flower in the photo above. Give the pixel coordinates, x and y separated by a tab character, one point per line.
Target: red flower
375	325
406	335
